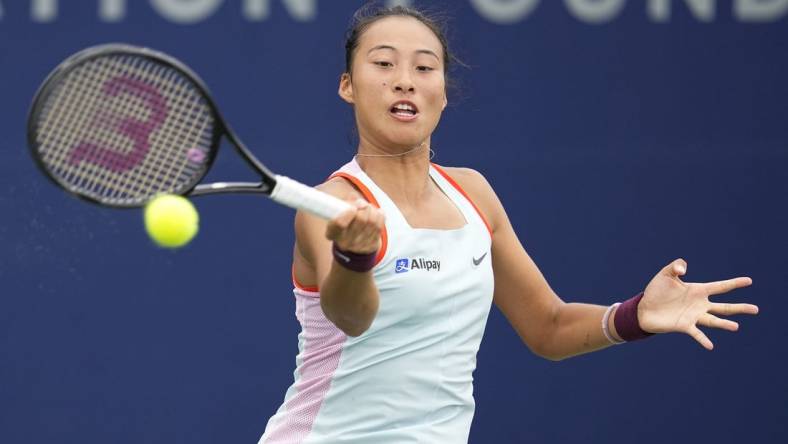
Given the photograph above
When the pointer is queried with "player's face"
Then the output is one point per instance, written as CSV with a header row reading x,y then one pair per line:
x,y
397,84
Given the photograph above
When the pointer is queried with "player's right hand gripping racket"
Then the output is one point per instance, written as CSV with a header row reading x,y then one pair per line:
x,y
118,124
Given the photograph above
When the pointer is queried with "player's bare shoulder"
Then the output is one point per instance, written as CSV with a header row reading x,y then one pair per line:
x,y
472,182
478,190
340,187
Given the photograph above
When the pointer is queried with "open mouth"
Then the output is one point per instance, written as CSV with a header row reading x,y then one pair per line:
x,y
404,110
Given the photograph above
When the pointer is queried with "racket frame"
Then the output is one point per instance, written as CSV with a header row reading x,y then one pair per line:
x,y
221,128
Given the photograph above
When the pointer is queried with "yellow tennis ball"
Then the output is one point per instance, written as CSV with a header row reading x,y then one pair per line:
x,y
171,221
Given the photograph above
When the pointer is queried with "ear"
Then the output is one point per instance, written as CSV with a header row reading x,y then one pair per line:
x,y
346,88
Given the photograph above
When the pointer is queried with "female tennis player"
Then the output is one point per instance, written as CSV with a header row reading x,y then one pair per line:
x,y
393,295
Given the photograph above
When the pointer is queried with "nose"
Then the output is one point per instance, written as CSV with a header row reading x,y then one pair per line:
x,y
404,81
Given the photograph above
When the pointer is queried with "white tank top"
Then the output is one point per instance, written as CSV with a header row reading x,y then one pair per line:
x,y
409,377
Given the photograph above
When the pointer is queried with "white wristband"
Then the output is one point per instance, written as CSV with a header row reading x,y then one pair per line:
x,y
605,320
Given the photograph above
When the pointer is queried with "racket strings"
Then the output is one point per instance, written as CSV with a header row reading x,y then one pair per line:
x,y
199,121
71,113
86,175
122,128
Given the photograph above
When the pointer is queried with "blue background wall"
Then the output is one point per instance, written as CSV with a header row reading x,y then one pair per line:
x,y
616,144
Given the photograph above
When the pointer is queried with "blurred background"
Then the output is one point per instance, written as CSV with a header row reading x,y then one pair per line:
x,y
619,135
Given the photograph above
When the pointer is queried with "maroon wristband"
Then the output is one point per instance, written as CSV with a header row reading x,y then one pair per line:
x,y
626,320
360,263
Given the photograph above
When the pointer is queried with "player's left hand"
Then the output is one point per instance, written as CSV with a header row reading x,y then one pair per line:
x,y
671,305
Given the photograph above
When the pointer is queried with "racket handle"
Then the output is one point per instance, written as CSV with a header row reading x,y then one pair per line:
x,y
296,195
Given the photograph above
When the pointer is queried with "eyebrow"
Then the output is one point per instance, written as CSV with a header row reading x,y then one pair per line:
x,y
419,51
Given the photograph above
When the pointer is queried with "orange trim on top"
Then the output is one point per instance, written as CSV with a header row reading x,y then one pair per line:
x,y
384,241
459,188
296,284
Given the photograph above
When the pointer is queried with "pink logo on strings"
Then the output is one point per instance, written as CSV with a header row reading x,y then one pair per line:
x,y
137,130
195,155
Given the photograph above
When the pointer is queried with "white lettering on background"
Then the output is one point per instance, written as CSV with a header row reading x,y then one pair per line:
x,y
703,10
501,12
43,11
759,10
112,10
595,11
186,12
301,10
504,12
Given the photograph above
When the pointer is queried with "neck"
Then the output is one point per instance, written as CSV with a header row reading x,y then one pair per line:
x,y
402,174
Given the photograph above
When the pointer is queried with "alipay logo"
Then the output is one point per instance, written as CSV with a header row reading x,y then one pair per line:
x,y
416,263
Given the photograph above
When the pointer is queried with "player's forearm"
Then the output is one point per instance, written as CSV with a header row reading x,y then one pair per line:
x,y
349,299
577,329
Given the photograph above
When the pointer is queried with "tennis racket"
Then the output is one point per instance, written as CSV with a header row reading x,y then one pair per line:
x,y
118,124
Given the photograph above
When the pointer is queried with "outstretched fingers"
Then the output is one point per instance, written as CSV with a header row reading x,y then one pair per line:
x,y
700,337
709,320
726,309
720,287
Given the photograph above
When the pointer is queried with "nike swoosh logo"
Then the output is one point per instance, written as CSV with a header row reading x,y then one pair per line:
x,y
476,262
342,256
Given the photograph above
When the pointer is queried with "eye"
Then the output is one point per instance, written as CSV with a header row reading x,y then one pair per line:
x,y
384,64
424,68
